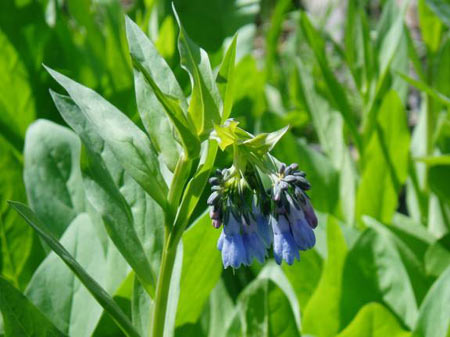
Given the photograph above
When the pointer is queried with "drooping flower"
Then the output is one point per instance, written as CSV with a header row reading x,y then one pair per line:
x,y
246,234
254,218
293,216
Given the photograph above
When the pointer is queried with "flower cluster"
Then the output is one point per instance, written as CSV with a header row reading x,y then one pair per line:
x,y
254,218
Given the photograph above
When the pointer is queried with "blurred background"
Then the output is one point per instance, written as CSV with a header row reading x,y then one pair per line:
x,y
365,87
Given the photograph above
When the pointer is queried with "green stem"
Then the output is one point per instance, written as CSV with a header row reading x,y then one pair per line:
x,y
162,287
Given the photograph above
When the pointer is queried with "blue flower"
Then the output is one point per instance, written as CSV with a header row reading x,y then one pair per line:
x,y
284,245
303,234
231,244
263,227
253,243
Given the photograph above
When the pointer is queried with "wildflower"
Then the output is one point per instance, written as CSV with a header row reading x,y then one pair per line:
x,y
293,218
245,235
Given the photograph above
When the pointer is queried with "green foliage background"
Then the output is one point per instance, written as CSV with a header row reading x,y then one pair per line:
x,y
367,96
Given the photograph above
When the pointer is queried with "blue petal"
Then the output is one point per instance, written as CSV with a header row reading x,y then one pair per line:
x,y
220,241
233,251
284,246
233,226
255,247
303,234
264,230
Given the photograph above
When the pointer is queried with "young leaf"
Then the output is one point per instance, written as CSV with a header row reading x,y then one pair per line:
x,y
94,288
335,89
386,165
225,79
375,272
116,214
201,269
434,314
205,104
129,144
21,317
159,97
56,291
56,193
266,311
374,320
264,142
321,315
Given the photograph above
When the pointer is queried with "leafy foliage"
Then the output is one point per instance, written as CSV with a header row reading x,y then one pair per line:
x,y
117,206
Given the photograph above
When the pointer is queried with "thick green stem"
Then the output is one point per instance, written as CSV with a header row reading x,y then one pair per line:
x,y
162,287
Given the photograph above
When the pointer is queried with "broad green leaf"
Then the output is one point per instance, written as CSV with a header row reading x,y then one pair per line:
x,y
201,269
141,308
17,94
221,310
225,79
103,298
374,271
147,215
374,320
439,180
321,315
437,256
205,104
305,276
21,317
334,88
441,9
266,311
385,163
116,214
430,26
16,237
209,29
130,145
160,98
57,292
434,314
413,234
52,174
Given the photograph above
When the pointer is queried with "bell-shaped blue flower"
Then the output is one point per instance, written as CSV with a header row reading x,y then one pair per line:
x,y
284,245
303,234
231,244
263,226
253,243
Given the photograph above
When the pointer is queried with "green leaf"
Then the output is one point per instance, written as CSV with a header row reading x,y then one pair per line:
x,y
374,320
141,308
201,269
375,270
427,89
430,26
434,314
437,256
305,276
334,88
21,317
266,311
16,237
117,217
195,187
147,215
103,298
205,104
225,79
386,162
56,291
17,94
321,315
441,9
439,180
130,145
52,174
264,142
160,98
